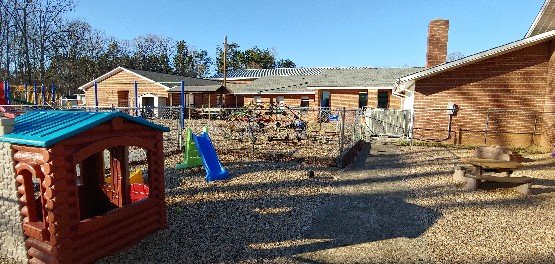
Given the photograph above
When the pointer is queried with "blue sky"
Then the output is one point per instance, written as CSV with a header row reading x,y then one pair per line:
x,y
319,33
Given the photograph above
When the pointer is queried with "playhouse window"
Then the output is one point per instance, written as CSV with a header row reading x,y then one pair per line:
x,y
35,200
106,181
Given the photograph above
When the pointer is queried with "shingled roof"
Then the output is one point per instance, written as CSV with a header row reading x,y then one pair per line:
x,y
169,78
277,84
166,81
361,78
258,73
329,78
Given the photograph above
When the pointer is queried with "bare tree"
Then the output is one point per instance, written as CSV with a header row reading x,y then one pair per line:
x,y
453,56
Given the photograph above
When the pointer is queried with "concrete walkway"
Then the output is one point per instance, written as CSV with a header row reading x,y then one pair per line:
x,y
368,219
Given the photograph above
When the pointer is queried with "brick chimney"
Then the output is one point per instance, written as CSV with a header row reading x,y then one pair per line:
x,y
436,53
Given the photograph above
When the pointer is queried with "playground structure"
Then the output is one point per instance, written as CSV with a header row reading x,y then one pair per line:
x,y
75,216
26,94
191,156
278,122
14,97
212,165
199,150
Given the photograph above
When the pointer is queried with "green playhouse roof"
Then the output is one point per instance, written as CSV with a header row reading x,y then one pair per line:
x,y
46,128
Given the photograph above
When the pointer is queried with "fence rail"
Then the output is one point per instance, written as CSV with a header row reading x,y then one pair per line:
x,y
513,128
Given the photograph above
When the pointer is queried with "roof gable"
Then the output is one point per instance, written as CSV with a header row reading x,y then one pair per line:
x,y
173,79
545,20
46,128
161,79
408,81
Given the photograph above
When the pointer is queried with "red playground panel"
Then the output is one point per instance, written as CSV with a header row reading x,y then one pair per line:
x,y
138,191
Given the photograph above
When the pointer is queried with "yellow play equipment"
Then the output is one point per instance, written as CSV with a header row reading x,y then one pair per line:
x,y
135,177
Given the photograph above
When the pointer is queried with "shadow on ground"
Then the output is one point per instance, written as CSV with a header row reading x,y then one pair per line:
x,y
350,220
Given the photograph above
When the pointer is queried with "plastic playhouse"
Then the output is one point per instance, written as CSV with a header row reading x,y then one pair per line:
x,y
68,212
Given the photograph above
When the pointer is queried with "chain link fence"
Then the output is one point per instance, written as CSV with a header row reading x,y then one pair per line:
x,y
314,135
513,128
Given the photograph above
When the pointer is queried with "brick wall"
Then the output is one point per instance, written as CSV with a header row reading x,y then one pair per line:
x,y
438,31
122,81
513,81
348,98
345,98
11,236
232,100
549,120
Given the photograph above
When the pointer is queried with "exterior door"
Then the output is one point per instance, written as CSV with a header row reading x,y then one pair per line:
x,y
123,98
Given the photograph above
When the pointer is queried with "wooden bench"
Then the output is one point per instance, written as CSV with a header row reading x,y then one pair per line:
x,y
519,184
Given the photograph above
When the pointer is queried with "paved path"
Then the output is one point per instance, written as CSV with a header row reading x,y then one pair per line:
x,y
368,219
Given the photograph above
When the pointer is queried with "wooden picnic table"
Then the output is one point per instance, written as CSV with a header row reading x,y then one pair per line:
x,y
480,165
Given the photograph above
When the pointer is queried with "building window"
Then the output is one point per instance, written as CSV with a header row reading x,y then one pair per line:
x,y
362,99
258,99
305,101
383,99
280,100
325,99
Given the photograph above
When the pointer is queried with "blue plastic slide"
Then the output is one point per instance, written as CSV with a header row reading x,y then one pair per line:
x,y
214,169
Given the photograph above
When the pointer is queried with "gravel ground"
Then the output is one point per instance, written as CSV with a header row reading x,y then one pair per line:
x,y
393,205
416,213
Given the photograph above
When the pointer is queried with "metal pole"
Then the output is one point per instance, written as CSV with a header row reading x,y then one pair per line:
x,y
5,86
53,95
487,124
43,89
7,92
136,89
411,126
209,111
225,61
535,128
35,93
182,104
96,95
342,138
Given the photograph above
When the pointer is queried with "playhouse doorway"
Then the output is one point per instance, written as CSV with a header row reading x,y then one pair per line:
x,y
108,180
